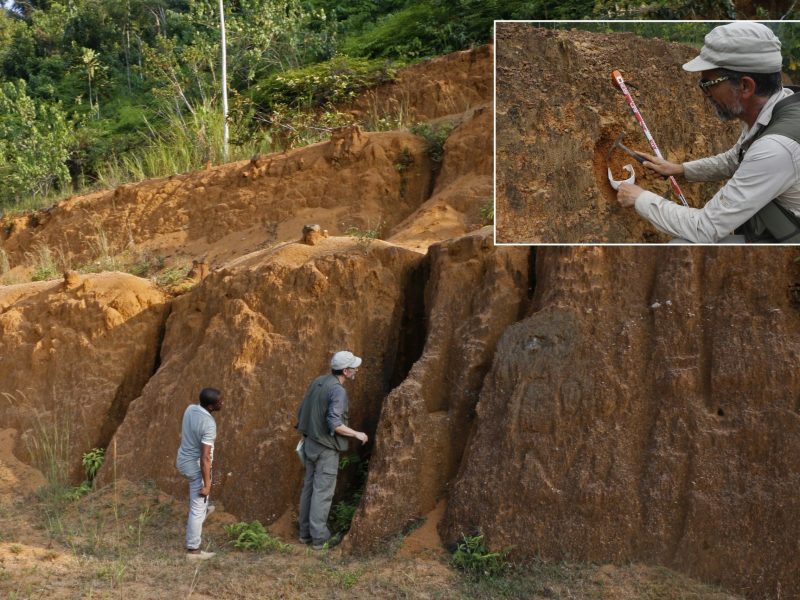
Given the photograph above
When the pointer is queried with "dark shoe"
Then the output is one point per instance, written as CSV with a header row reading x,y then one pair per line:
x,y
304,540
332,541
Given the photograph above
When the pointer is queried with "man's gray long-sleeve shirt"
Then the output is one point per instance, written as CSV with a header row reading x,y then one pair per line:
x,y
770,170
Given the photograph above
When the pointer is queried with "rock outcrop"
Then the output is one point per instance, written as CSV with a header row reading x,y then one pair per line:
x,y
648,410
261,329
474,291
352,181
463,187
73,354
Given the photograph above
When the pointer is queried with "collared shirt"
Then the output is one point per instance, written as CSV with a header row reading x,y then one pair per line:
x,y
769,170
198,428
337,408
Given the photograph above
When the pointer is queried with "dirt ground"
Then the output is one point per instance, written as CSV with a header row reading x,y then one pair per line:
x,y
124,541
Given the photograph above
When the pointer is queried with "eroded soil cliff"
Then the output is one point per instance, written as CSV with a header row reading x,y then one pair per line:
x,y
602,404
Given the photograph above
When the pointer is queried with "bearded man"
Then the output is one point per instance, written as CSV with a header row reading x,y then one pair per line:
x,y
740,69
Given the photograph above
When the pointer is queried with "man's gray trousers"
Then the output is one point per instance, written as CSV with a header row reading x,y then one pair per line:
x,y
322,465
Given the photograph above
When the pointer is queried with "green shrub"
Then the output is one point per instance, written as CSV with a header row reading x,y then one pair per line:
x,y
343,512
35,141
474,558
254,538
365,237
92,461
435,136
337,80
487,211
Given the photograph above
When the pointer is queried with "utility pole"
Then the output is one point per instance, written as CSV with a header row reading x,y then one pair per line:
x,y
224,85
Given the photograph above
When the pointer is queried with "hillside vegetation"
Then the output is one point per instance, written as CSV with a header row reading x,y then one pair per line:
x,y
97,93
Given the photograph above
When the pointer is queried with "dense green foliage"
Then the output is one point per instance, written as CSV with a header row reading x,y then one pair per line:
x,y
98,92
35,137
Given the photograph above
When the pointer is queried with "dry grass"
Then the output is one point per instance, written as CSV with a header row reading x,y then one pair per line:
x,y
125,541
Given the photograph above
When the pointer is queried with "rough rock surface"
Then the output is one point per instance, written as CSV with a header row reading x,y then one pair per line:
x,y
439,87
72,358
463,187
228,211
648,410
261,329
475,290
558,115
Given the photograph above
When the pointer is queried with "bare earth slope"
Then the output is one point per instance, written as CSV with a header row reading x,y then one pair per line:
x,y
558,114
261,330
74,354
646,410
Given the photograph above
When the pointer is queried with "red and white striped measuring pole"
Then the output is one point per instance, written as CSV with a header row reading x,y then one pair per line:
x,y
619,82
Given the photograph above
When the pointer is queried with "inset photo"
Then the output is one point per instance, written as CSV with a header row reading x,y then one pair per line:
x,y
647,132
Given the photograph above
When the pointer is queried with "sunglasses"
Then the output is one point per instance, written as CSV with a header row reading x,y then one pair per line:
x,y
707,83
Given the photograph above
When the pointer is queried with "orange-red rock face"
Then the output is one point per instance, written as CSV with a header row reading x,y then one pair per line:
x,y
72,356
474,291
646,409
261,330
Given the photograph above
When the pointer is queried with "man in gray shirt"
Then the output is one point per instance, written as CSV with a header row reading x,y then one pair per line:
x,y
740,66
322,419
195,455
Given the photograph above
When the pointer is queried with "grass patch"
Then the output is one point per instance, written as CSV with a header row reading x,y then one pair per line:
x,y
435,136
365,237
252,537
46,263
487,212
473,557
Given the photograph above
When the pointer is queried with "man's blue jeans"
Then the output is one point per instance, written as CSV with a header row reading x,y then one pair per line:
x,y
198,509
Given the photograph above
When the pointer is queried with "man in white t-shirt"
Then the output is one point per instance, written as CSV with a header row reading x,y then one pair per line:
x,y
198,432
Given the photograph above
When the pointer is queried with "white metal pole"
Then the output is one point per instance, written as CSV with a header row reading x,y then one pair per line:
x,y
224,84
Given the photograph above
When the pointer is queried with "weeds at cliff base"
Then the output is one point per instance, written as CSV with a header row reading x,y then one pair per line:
x,y
252,537
474,558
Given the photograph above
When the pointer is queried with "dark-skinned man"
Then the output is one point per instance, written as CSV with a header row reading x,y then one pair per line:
x,y
740,70
195,455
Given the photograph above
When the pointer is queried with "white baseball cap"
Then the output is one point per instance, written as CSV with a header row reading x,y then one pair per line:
x,y
744,46
345,360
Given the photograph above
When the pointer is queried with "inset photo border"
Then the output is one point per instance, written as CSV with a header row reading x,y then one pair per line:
x,y
567,132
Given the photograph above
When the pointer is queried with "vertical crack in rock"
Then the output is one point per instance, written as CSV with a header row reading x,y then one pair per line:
x,y
131,386
473,291
413,328
531,273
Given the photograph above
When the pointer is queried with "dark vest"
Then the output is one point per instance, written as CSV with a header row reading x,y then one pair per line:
x,y
312,416
773,223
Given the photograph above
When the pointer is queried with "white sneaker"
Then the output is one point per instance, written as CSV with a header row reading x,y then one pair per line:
x,y
202,555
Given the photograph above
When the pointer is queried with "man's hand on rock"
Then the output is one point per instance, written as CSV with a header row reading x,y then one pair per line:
x,y
661,166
